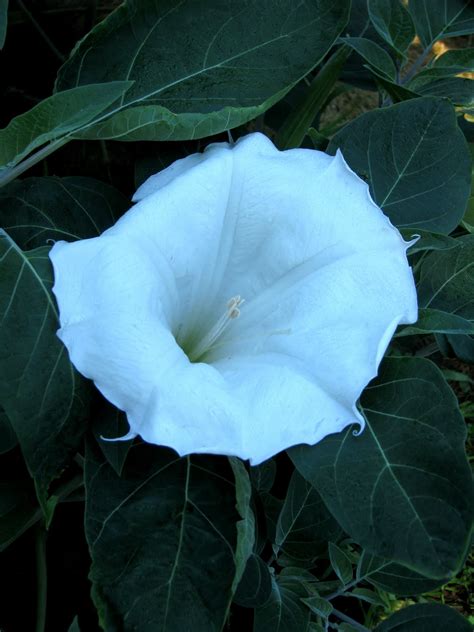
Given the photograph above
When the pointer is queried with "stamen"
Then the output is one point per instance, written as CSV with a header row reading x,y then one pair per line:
x,y
207,341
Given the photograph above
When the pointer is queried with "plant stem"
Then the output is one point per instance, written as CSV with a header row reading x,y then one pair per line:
x,y
416,66
41,578
10,174
342,591
44,35
344,617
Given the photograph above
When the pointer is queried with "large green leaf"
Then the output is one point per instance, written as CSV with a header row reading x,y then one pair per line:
x,y
425,617
435,19
200,67
416,160
284,610
43,397
255,585
56,117
394,578
304,525
402,489
447,280
162,537
392,22
36,210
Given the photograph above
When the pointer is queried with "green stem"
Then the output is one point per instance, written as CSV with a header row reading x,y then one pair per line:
x,y
10,174
41,578
347,587
343,617
416,66
295,127
44,35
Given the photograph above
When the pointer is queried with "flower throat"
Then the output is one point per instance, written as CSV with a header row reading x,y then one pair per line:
x,y
205,344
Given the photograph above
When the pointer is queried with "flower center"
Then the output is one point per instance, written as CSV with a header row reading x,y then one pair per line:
x,y
232,312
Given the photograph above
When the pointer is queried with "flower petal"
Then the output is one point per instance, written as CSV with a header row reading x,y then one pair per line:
x,y
323,273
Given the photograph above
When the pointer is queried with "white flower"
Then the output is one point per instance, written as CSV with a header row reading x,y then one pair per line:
x,y
241,306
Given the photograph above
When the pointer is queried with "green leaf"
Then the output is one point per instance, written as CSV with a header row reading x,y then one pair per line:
x,y
365,594
394,578
256,584
304,525
441,78
3,21
245,526
341,563
263,475
8,438
447,280
392,22
284,610
272,508
457,89
468,219
373,54
457,60
56,117
109,422
435,19
296,126
463,347
74,627
394,90
36,210
427,241
45,400
435,320
402,489
416,161
320,607
162,538
200,68
425,617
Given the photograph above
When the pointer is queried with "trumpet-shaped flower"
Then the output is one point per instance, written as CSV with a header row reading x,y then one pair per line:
x,y
243,303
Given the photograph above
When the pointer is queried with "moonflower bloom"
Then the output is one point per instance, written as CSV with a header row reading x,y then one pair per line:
x,y
242,305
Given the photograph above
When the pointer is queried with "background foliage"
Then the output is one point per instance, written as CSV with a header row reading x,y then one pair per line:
x,y
368,532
